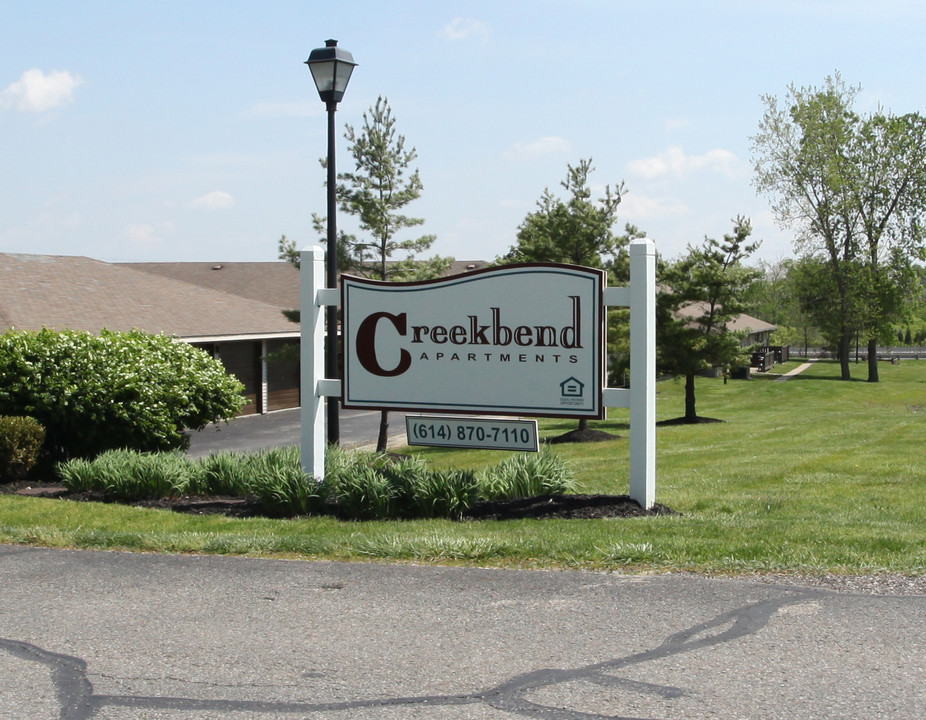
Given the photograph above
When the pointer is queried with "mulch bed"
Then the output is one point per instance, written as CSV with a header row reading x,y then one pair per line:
x,y
584,507
582,436
686,421
191,504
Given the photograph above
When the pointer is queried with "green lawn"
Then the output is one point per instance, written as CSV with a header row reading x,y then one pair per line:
x,y
809,475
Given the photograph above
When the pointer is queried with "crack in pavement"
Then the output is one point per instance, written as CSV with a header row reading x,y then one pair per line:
x,y
78,701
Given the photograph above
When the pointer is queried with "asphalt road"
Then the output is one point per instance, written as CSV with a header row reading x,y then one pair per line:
x,y
119,636
251,433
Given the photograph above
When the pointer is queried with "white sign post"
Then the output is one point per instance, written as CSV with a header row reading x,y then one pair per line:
x,y
312,361
514,340
643,372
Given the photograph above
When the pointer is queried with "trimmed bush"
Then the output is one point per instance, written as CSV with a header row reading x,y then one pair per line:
x,y
113,390
21,440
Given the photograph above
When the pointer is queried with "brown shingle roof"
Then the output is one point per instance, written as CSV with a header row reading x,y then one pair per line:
x,y
458,267
79,293
748,323
274,283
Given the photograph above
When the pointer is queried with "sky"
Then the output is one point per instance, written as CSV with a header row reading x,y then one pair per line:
x,y
191,130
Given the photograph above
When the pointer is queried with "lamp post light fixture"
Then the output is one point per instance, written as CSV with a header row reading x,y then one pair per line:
x,y
331,68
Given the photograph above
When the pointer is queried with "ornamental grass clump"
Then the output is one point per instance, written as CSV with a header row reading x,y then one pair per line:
x,y
527,475
376,486
224,473
441,493
279,480
130,475
357,486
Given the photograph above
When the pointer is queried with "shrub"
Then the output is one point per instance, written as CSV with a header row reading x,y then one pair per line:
x,y
115,390
21,440
527,475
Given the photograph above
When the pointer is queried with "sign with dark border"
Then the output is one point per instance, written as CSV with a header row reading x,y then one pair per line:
x,y
520,340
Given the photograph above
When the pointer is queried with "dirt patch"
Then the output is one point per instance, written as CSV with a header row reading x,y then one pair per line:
x,y
585,507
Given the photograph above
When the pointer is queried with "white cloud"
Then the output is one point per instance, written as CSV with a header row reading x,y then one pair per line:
x,y
464,28
673,161
216,200
37,91
544,146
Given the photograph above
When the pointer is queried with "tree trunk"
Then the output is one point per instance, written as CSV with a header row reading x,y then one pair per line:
x,y
383,431
845,345
690,412
583,424
872,361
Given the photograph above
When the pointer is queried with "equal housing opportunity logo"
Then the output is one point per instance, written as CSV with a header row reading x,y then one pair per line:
x,y
516,340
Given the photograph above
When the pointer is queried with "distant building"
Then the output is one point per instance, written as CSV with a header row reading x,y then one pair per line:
x,y
758,332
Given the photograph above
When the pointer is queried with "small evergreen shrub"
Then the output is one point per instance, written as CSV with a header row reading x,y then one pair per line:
x,y
21,440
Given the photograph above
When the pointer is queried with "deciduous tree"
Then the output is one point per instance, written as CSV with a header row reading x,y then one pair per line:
x,y
854,189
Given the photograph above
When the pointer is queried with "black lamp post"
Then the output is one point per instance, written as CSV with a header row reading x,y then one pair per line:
x,y
331,67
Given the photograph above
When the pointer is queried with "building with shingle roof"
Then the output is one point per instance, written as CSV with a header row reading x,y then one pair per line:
x,y
757,331
79,293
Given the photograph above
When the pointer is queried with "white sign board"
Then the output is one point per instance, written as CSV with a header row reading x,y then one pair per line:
x,y
472,432
513,340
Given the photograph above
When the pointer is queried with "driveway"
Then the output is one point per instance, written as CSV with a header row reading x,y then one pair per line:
x,y
251,433
121,636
